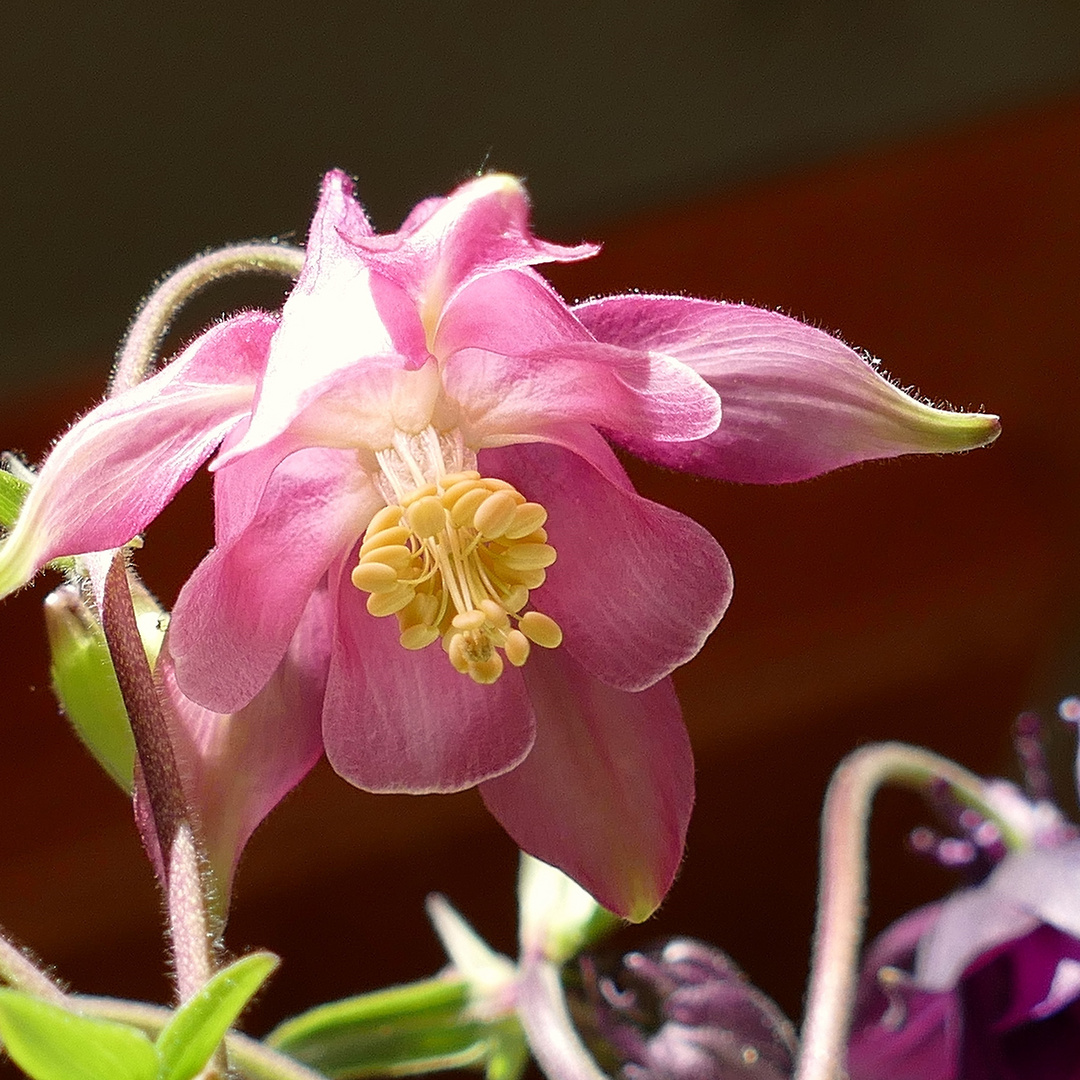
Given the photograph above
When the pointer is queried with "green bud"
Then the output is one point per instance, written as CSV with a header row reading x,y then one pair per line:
x,y
84,680
557,917
13,491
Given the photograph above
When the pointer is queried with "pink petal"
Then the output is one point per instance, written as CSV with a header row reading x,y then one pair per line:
x,y
113,472
235,616
797,401
503,399
636,588
606,791
403,721
362,406
481,227
510,312
236,769
514,358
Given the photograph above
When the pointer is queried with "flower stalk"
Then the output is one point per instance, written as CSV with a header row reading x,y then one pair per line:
x,y
18,971
842,889
169,834
135,359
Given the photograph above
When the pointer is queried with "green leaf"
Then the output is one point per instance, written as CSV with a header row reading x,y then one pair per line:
x,y
12,493
189,1039
401,1031
50,1043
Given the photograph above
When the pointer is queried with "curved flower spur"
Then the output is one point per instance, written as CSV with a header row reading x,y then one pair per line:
x,y
421,440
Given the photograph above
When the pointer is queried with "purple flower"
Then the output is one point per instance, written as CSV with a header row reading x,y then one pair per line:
x,y
423,436
985,985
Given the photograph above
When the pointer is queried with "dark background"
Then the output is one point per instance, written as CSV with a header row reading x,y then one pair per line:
x,y
905,174
134,134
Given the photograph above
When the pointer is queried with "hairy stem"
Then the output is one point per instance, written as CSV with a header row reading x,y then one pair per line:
x,y
842,888
21,973
179,859
135,360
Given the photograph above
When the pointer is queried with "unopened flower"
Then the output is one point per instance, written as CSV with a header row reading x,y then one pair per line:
x,y
423,436
684,1011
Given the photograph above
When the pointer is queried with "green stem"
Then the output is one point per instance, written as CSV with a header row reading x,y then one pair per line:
x,y
842,889
140,347
254,1060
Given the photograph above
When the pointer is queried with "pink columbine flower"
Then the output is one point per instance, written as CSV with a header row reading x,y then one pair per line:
x,y
425,433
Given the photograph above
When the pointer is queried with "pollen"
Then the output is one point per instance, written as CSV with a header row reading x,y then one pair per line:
x,y
455,561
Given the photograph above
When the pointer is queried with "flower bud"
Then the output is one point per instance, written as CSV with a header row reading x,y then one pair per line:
x,y
686,1012
558,917
84,680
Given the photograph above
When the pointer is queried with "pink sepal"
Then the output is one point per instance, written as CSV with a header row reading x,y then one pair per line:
x,y
112,473
797,402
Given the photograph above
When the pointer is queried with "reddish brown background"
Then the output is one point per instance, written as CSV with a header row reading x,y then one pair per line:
x,y
927,599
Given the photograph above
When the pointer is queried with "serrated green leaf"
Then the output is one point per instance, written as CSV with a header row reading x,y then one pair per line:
x,y
50,1043
12,493
190,1038
401,1031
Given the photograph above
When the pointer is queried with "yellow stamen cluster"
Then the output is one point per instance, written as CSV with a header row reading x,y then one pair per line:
x,y
455,560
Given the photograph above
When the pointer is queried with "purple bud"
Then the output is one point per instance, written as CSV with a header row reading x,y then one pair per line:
x,y
684,1011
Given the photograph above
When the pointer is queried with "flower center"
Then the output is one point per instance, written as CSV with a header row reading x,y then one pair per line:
x,y
455,559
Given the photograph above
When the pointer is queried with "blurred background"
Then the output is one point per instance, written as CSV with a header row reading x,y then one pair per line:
x,y
906,175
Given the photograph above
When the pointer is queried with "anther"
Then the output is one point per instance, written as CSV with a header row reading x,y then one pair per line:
x,y
426,517
516,648
455,560
396,534
528,517
374,577
418,636
468,620
391,601
396,555
529,556
538,627
495,514
487,671
466,506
